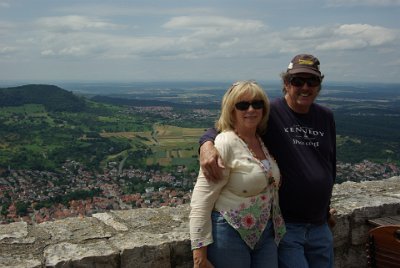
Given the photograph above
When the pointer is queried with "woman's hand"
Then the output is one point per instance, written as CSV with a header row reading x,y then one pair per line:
x,y
200,258
211,162
203,264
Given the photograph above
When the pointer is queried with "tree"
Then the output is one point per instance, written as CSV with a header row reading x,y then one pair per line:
x,y
22,208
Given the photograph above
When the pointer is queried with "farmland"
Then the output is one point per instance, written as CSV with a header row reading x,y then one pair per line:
x,y
170,145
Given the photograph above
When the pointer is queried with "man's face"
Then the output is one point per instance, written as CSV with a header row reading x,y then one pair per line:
x,y
301,91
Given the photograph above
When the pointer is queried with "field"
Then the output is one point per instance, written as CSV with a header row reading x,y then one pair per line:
x,y
170,145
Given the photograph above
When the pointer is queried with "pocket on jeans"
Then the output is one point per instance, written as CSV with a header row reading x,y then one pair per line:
x,y
217,218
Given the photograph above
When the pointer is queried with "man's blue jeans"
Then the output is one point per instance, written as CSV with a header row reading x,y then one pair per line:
x,y
230,251
306,246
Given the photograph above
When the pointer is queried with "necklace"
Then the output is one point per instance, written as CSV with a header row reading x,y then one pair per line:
x,y
265,164
247,144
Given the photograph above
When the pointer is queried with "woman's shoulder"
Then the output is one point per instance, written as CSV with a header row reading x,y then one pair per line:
x,y
226,137
228,134
226,143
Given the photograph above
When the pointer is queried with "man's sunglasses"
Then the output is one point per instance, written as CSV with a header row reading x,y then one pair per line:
x,y
244,105
300,81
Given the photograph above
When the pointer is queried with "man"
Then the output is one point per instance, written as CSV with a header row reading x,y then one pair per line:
x,y
301,136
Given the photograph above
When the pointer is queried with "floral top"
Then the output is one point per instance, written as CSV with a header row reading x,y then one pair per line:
x,y
246,196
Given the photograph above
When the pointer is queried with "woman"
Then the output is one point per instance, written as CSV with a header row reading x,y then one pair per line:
x,y
236,222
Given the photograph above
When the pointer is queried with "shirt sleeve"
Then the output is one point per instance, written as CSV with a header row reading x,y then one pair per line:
x,y
209,135
205,194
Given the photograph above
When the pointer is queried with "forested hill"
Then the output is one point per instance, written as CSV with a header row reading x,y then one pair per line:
x,y
51,97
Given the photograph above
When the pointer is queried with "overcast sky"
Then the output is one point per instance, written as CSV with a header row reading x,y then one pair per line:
x,y
201,40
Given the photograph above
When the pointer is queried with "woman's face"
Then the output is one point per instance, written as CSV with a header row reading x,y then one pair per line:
x,y
248,117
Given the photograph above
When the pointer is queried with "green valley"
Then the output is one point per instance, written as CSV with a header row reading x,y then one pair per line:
x,y
64,153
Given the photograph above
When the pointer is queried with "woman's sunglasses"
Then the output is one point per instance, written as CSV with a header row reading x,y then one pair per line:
x,y
300,81
244,105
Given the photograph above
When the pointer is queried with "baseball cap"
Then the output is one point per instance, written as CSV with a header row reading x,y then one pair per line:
x,y
304,63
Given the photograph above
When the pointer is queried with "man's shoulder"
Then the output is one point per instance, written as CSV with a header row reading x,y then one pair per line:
x,y
276,103
322,109
278,107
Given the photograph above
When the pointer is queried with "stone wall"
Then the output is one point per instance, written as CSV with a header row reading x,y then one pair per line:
x,y
159,237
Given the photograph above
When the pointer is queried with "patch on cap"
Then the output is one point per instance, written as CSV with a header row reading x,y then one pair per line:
x,y
304,63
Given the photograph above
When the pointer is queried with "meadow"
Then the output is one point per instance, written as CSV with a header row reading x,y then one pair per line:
x,y
169,145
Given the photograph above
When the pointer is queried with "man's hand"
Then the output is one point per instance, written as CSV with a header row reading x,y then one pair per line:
x,y
211,162
331,219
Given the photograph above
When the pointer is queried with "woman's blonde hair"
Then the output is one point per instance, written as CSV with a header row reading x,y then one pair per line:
x,y
233,96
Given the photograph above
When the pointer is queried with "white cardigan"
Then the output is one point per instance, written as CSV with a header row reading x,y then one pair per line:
x,y
244,180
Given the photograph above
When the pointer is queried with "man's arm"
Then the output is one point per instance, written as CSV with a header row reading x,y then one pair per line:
x,y
210,160
332,211
209,135
331,218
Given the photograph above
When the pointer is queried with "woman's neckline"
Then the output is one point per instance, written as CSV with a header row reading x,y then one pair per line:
x,y
253,154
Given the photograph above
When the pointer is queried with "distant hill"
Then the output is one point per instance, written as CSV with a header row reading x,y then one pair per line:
x,y
51,97
147,103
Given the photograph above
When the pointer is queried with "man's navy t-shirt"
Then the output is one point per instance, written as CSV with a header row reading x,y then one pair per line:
x,y
304,145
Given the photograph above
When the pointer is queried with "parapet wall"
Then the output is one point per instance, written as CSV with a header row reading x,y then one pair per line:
x,y
159,237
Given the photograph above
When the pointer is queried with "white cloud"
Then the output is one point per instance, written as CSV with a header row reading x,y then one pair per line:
x,y
363,2
307,32
48,52
4,50
342,44
74,23
132,9
338,37
373,35
87,45
4,4
218,37
393,62
214,22
6,27
357,36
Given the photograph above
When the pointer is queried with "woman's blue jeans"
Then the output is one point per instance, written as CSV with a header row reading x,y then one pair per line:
x,y
230,251
306,246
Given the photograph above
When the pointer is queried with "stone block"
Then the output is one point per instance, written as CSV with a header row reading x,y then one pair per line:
x,y
75,229
13,230
341,231
154,256
181,254
27,261
67,255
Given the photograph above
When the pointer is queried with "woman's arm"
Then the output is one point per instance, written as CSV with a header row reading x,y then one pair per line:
x,y
204,196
